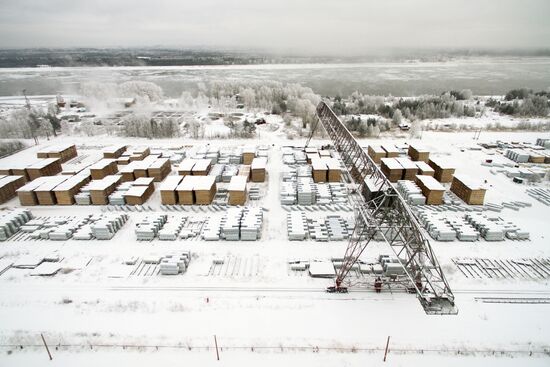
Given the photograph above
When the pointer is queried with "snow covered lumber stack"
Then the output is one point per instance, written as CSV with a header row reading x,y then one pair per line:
x,y
470,191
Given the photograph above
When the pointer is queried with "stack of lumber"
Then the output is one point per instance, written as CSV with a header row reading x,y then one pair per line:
x,y
334,170
319,170
470,191
536,157
168,194
249,153
43,167
186,195
65,192
237,190
391,150
140,192
139,153
141,167
201,167
103,167
443,170
101,189
410,169
64,152
26,193
257,168
424,169
14,169
324,153
312,156
127,171
431,189
114,151
159,169
205,190
45,194
391,169
244,170
186,166
9,185
376,153
418,153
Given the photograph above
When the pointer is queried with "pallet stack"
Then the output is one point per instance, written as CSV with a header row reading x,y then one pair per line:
x,y
391,169
64,152
470,191
65,192
376,153
249,153
139,153
44,167
257,168
102,168
114,151
140,191
159,169
424,169
443,170
391,150
536,157
101,189
237,190
418,153
168,193
14,169
431,189
410,169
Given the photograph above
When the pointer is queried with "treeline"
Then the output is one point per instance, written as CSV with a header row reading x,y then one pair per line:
x,y
10,147
522,102
143,126
28,123
450,104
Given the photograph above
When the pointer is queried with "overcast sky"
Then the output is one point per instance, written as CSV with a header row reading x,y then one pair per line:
x,y
340,26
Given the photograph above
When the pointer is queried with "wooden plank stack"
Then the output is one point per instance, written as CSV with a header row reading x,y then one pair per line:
x,y
535,157
45,194
159,169
468,190
65,192
114,151
443,170
205,190
424,169
64,152
249,153
140,192
103,167
101,189
44,167
186,195
186,166
14,169
334,170
237,190
26,194
319,170
391,150
418,153
139,153
391,169
257,168
201,167
244,170
431,189
410,169
168,193
9,186
376,153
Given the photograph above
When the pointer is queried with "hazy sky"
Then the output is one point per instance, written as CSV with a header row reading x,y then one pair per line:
x,y
342,26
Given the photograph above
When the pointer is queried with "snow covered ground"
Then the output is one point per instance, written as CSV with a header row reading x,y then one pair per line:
x,y
261,312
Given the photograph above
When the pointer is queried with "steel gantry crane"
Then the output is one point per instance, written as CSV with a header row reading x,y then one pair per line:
x,y
382,214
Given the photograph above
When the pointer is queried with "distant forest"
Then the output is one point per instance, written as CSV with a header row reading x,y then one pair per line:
x,y
73,57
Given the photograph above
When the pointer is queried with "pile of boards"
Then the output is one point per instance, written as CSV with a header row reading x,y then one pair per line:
x,y
133,193
257,168
31,171
52,190
377,152
9,186
190,190
194,167
325,169
97,191
470,191
103,167
114,151
147,228
151,166
106,227
175,264
12,220
64,152
237,190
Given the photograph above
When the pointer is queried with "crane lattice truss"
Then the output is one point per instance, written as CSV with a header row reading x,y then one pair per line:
x,y
382,213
